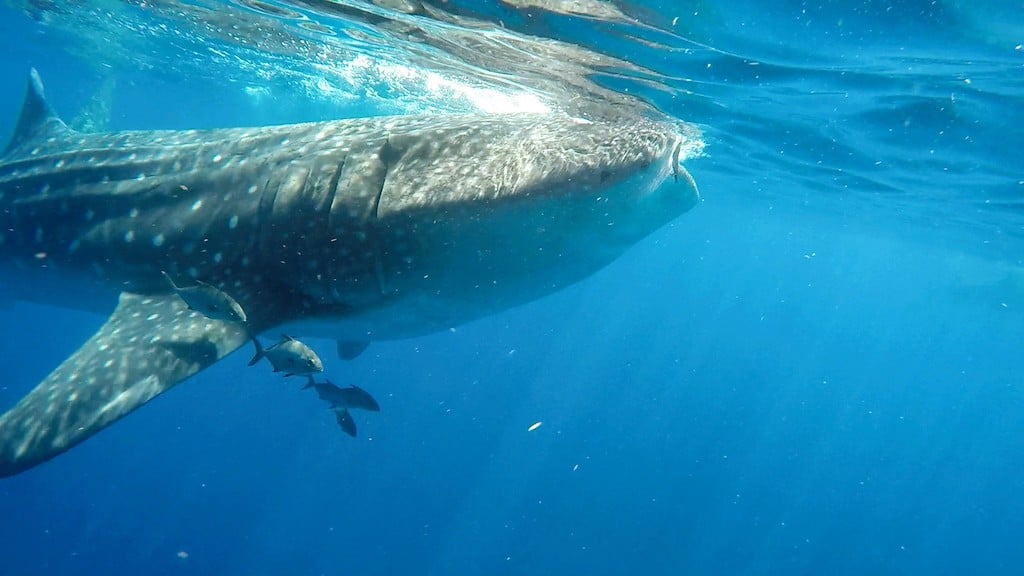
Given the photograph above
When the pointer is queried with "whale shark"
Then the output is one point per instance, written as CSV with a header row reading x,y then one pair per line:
x,y
356,230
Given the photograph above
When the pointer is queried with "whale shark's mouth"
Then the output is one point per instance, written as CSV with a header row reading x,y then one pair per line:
x,y
679,170
675,160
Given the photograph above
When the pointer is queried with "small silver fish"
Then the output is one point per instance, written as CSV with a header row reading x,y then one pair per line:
x,y
289,356
209,301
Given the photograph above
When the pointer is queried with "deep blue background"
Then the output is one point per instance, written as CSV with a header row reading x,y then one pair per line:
x,y
783,381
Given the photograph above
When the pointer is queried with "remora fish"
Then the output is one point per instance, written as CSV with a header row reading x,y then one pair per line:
x,y
358,230
290,356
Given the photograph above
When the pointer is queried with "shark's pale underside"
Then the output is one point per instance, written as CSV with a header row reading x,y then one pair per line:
x,y
357,230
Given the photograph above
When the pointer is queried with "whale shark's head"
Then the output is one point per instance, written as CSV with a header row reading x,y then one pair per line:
x,y
485,218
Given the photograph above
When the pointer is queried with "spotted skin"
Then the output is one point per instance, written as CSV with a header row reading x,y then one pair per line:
x,y
149,344
356,230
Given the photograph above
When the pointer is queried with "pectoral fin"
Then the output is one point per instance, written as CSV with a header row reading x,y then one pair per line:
x,y
149,344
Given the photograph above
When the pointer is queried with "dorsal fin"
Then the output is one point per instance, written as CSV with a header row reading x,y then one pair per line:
x,y
37,120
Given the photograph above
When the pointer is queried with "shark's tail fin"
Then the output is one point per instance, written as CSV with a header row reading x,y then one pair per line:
x,y
260,352
38,120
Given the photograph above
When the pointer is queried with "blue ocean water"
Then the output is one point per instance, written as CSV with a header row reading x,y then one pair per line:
x,y
817,370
